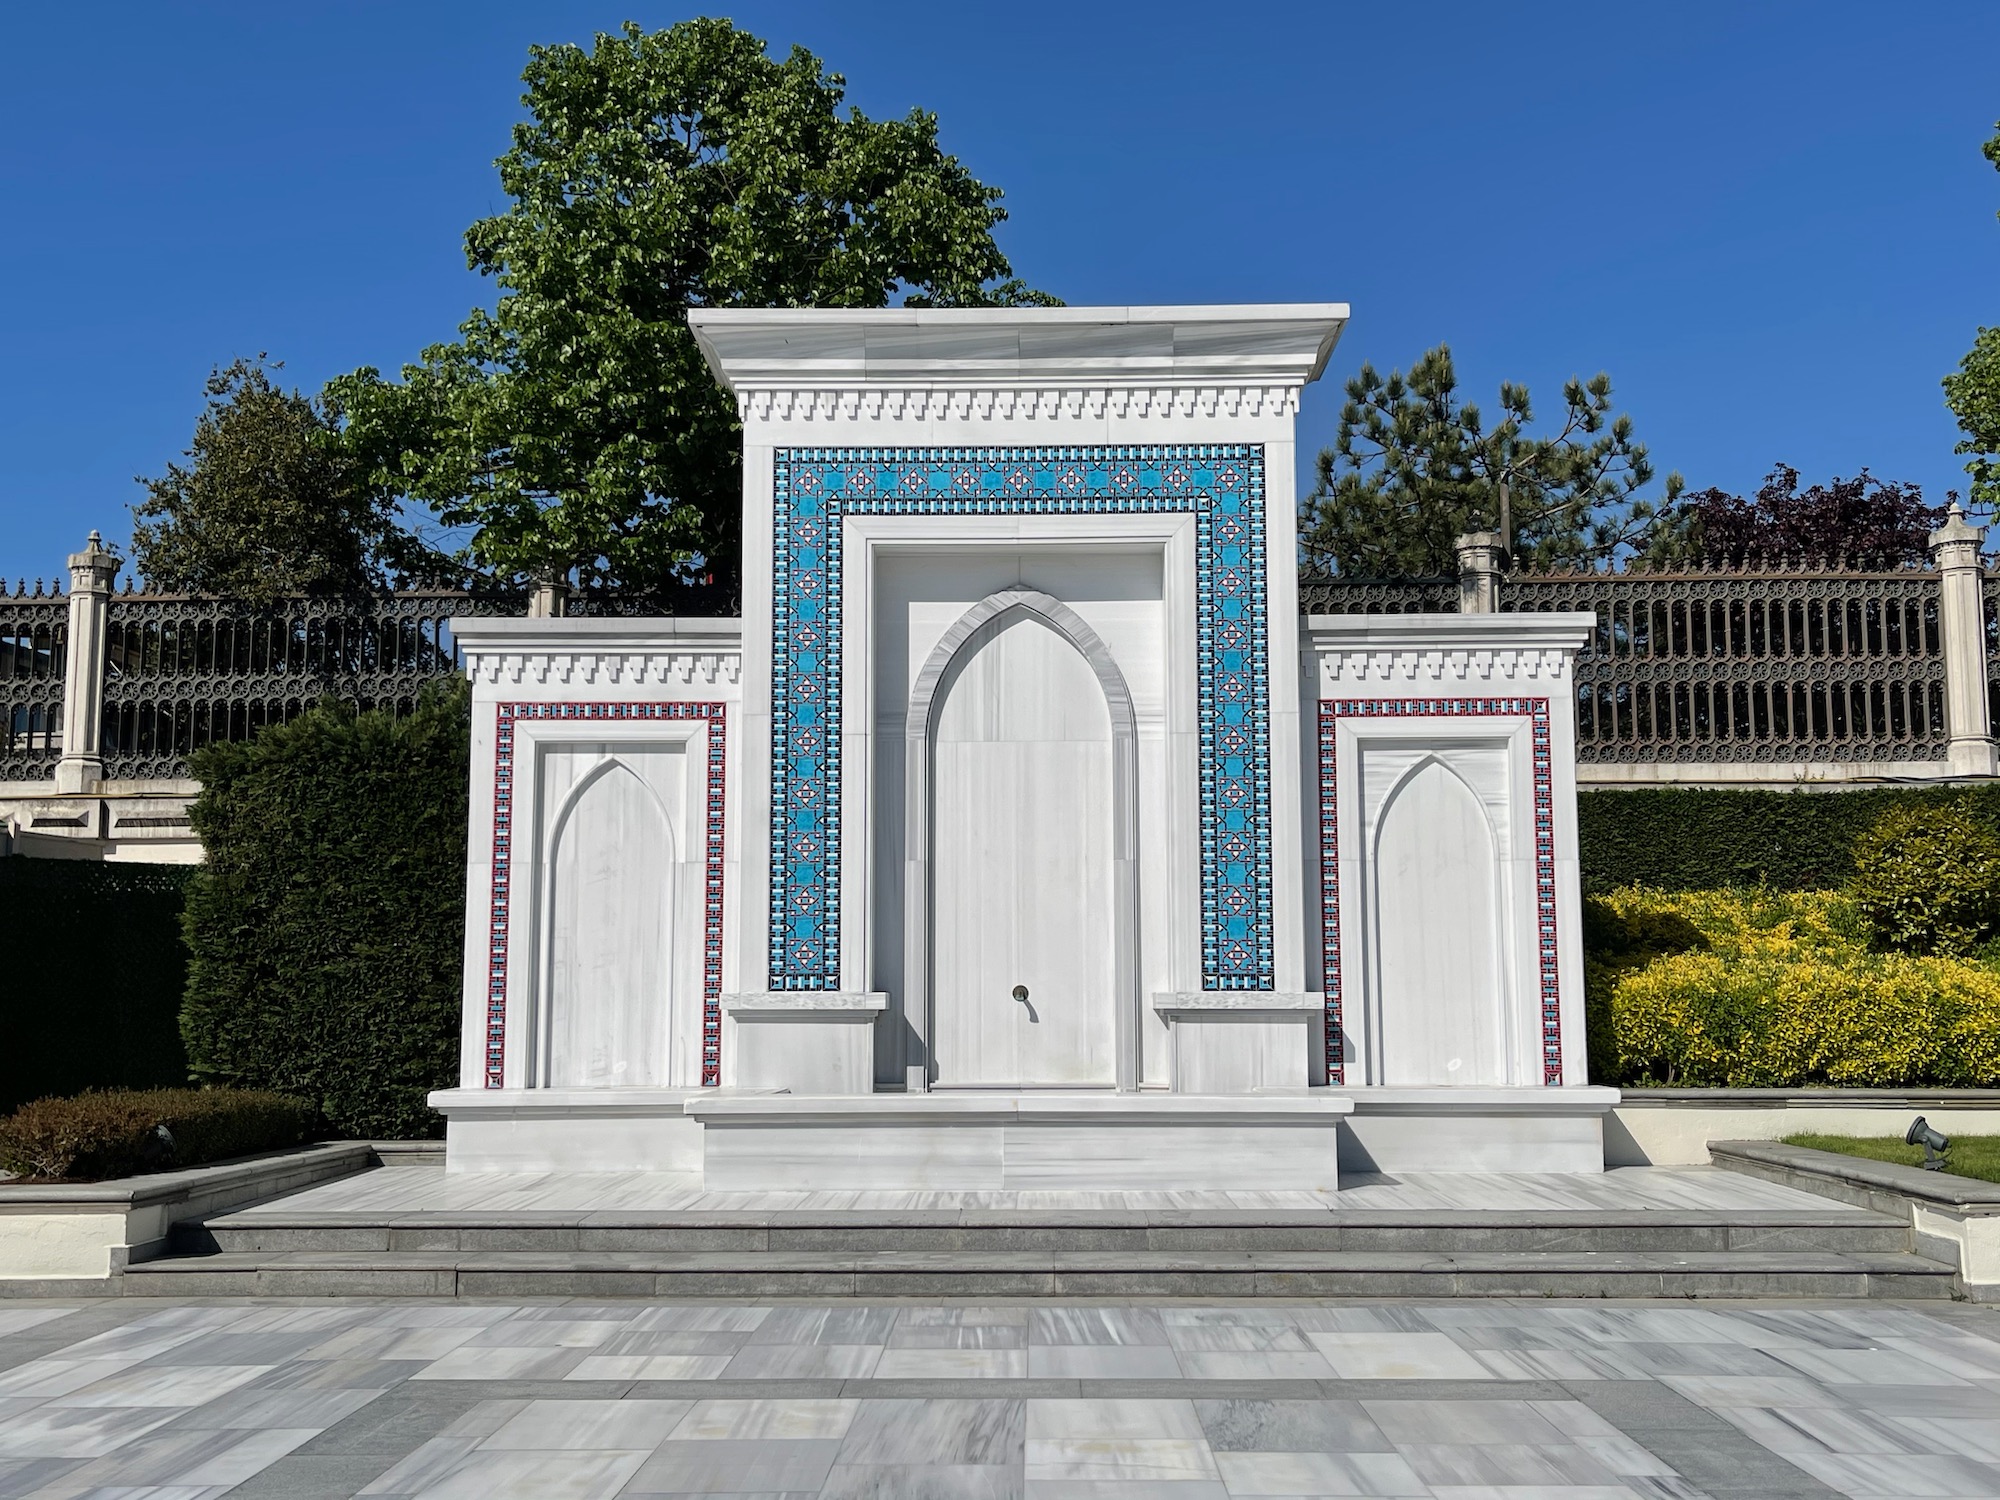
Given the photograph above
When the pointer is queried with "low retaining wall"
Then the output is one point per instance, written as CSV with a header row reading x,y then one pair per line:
x,y
1672,1127
67,1237
1956,1219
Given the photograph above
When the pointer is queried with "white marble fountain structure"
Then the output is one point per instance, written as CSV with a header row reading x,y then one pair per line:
x,y
1021,834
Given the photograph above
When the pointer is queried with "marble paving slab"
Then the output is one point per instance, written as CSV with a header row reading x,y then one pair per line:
x,y
1112,1400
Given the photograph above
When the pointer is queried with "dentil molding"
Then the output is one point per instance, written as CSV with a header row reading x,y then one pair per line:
x,y
1011,403
628,668
1443,666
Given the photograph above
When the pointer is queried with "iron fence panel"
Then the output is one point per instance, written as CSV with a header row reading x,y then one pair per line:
x,y
1330,594
34,654
181,673
1752,666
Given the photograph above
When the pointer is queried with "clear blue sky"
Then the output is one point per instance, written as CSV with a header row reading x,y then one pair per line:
x,y
1770,222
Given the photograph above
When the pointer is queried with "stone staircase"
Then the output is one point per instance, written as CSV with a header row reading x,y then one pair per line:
x,y
1838,1252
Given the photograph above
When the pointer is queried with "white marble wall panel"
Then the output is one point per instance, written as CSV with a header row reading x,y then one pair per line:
x,y
569,1130
591,662
1439,912
1023,949
882,1155
807,1042
1021,1142
1242,1055
1005,378
1462,1129
1167,1155
918,586
607,878
1437,833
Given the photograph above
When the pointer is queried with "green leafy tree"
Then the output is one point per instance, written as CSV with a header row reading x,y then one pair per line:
x,y
1414,467
1973,394
575,426
269,502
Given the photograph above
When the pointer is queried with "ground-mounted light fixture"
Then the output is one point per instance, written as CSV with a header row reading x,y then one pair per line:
x,y
1935,1145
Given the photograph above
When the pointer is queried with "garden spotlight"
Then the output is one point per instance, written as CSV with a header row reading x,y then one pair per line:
x,y
1935,1145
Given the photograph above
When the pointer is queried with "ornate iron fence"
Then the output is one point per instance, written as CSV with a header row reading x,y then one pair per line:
x,y
1330,594
1758,667
1779,666
695,601
34,650
182,673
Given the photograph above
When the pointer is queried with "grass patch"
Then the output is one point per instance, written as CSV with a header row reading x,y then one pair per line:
x,y
1970,1155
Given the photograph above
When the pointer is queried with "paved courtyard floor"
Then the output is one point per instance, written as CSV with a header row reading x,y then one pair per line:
x,y
1462,1400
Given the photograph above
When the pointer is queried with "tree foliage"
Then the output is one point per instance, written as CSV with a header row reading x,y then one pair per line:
x,y
1863,521
1414,467
576,425
327,927
1973,394
269,502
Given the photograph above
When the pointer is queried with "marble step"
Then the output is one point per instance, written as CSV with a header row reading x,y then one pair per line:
x,y
273,1229
1084,1273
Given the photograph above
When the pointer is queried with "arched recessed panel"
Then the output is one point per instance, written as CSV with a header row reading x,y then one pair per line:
x,y
1435,921
1025,966
610,936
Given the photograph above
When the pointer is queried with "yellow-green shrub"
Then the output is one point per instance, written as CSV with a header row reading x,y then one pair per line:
x,y
1927,879
1773,989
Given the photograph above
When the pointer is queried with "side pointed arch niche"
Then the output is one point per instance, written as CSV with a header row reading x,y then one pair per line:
x,y
928,697
607,938
1440,1006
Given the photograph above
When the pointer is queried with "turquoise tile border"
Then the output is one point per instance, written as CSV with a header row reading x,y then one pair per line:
x,y
1221,485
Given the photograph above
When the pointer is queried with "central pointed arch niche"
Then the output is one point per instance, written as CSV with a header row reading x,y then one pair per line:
x,y
1018,669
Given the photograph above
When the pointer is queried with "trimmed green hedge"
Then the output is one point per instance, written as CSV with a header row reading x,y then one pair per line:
x,y
1676,839
117,1133
327,927
91,975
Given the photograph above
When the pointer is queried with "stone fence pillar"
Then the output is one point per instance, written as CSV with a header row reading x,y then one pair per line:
x,y
548,599
1479,554
1962,633
91,573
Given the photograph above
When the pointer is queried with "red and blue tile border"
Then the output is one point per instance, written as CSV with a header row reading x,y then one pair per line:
x,y
508,714
1536,710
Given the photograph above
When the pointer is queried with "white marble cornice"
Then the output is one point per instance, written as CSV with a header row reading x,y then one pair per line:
x,y
949,361
1415,649
987,403
1443,666
632,653
609,668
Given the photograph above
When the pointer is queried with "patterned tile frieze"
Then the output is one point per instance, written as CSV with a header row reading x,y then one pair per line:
x,y
1221,485
1536,710
500,898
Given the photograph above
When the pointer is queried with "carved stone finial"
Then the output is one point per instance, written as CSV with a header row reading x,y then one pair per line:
x,y
94,569
1957,542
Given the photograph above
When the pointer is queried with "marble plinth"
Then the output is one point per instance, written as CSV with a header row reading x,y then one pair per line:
x,y
1103,1142
569,1130
1475,1129
806,1042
